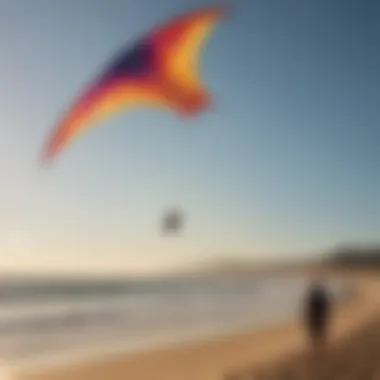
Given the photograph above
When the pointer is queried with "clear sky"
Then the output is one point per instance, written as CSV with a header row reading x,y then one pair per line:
x,y
287,162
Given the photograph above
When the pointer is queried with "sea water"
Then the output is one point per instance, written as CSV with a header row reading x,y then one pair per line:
x,y
46,321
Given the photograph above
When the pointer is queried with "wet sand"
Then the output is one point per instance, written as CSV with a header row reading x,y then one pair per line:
x,y
354,358
229,357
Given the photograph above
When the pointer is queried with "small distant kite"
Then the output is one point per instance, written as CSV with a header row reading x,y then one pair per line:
x,y
172,221
159,70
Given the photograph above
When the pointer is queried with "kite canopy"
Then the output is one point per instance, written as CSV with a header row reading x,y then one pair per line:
x,y
161,69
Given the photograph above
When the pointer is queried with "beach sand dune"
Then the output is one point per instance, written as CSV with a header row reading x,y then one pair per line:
x,y
239,356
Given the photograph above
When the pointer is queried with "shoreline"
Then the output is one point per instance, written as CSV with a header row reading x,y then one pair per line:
x,y
121,341
86,356
242,318
212,357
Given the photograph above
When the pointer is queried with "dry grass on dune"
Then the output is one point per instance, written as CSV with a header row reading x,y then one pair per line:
x,y
355,358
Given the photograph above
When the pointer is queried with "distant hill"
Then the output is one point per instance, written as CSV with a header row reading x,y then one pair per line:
x,y
240,267
356,256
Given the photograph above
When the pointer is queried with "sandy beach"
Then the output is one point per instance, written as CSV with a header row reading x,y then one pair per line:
x,y
216,358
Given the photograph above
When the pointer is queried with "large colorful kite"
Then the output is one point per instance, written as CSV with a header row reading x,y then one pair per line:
x,y
159,70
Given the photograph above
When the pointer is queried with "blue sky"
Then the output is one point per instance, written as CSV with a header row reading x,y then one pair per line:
x,y
286,164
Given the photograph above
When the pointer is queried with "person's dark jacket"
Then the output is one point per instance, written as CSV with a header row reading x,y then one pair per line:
x,y
317,310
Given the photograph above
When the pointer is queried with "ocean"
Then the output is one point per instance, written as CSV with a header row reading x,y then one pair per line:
x,y
43,322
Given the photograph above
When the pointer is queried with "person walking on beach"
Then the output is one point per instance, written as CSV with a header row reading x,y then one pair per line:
x,y
318,308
